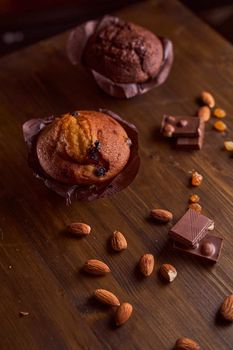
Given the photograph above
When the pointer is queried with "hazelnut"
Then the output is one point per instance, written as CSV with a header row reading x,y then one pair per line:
x,y
207,248
168,130
170,119
183,123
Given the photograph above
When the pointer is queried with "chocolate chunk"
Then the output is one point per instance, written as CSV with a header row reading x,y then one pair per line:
x,y
194,143
101,171
183,126
191,228
74,114
97,145
93,152
208,248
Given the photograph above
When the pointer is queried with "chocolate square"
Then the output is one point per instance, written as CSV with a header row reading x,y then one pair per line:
x,y
191,228
183,126
209,248
194,143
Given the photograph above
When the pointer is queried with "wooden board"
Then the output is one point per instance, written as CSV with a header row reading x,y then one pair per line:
x,y
40,265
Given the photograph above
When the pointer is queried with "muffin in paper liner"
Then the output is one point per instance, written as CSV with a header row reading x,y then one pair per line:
x,y
76,44
31,131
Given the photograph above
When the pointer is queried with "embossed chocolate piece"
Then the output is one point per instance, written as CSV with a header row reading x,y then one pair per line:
x,y
191,228
192,143
183,126
188,132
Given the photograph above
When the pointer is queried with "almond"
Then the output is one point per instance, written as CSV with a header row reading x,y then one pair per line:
x,y
226,309
123,313
196,178
204,113
168,272
146,264
184,343
106,297
79,229
161,215
168,130
208,99
196,206
118,241
96,267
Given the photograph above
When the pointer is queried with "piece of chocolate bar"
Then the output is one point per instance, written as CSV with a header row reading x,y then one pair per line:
x,y
191,228
209,248
192,143
181,126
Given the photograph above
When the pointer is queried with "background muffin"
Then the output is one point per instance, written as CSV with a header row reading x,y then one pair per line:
x,y
124,59
124,52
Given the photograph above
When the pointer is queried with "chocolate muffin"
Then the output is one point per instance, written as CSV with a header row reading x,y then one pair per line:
x,y
124,52
85,147
124,59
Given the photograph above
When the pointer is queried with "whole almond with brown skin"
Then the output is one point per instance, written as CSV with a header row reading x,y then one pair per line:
x,y
204,113
226,309
118,241
161,215
79,229
146,264
106,297
208,99
184,343
96,267
123,313
168,272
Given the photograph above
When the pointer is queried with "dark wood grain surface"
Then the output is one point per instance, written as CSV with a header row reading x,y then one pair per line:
x,y
40,265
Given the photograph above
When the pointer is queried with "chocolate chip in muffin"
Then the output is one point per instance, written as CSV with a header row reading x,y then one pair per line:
x,y
93,152
74,114
97,145
101,171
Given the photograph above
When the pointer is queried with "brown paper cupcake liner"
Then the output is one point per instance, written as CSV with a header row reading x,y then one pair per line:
x,y
77,42
31,131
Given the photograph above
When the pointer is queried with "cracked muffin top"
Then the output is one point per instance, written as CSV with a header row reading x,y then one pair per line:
x,y
84,147
124,52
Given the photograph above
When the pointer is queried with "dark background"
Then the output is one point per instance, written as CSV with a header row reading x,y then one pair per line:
x,y
23,22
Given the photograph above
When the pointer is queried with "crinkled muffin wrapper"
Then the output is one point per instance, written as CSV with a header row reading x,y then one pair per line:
x,y
77,42
31,130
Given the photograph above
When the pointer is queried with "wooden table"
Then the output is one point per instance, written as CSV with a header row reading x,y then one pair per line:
x,y
40,265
